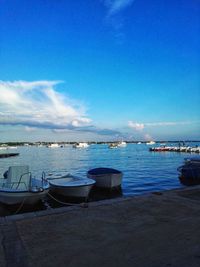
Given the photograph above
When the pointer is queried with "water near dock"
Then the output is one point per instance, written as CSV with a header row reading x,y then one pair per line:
x,y
144,171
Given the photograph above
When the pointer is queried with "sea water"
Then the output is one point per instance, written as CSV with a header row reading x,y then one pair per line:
x,y
143,171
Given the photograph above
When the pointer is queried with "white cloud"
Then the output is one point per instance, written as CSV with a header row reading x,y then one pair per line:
x,y
115,6
155,124
147,137
141,126
38,104
114,17
30,129
135,125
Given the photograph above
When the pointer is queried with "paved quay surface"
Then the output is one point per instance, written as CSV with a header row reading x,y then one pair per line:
x,y
156,230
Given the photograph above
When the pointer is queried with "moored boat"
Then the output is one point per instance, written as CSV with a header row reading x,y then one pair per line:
x,y
121,144
70,186
113,145
3,147
7,155
18,186
53,145
190,171
186,149
106,177
150,143
81,145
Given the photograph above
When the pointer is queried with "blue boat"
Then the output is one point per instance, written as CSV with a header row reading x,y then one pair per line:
x,y
190,171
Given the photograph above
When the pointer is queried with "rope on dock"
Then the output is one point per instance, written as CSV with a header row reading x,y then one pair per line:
x,y
20,207
82,205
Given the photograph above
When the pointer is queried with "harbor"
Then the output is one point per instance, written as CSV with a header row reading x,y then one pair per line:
x,y
183,149
157,229
99,133
68,170
146,208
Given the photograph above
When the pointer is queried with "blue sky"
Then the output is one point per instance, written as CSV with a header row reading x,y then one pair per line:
x,y
99,70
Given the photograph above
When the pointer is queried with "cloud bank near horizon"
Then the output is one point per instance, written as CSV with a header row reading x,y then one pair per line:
x,y
142,127
38,104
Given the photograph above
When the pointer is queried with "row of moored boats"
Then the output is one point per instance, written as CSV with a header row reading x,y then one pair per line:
x,y
85,145
18,186
186,149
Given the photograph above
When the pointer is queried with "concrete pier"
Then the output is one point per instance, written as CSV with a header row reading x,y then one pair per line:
x,y
155,230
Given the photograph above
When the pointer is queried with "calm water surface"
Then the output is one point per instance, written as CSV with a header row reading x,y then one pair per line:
x,y
144,171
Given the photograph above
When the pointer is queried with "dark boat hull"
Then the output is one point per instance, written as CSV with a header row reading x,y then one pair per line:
x,y
190,174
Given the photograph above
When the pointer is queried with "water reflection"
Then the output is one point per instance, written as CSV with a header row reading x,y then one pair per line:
x,y
54,200
143,171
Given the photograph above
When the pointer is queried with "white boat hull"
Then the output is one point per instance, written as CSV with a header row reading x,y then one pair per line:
x,y
26,197
81,145
71,186
76,191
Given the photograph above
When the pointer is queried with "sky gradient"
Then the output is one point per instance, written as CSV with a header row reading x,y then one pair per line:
x,y
99,70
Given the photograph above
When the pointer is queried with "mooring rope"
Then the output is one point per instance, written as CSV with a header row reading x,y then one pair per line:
x,y
83,205
20,207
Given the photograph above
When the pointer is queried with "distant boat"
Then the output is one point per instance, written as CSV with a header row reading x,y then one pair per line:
x,y
70,186
81,145
54,145
18,186
3,147
150,143
7,147
106,177
121,144
113,145
7,155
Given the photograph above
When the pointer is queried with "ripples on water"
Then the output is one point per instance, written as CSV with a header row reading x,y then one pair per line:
x,y
144,171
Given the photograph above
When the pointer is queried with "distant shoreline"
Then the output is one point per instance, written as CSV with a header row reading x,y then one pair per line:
x,y
24,143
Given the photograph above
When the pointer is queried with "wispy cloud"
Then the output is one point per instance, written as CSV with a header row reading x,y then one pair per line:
x,y
38,104
115,6
135,125
155,124
141,126
114,18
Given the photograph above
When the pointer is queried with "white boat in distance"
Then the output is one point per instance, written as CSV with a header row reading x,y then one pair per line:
x,y
54,145
113,145
150,143
106,177
18,186
121,144
70,186
3,147
117,144
81,145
